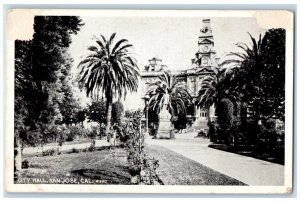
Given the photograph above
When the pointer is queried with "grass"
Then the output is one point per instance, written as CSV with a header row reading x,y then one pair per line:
x,y
175,169
111,167
98,167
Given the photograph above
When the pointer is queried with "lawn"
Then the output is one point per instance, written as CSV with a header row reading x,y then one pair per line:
x,y
98,167
106,166
175,169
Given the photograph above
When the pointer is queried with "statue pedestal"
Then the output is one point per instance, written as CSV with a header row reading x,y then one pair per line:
x,y
165,125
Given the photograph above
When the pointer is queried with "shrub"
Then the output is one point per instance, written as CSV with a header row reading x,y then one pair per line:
x,y
63,133
225,110
93,146
270,124
74,150
51,152
25,164
148,171
270,139
213,129
117,113
141,167
75,131
153,128
96,111
93,132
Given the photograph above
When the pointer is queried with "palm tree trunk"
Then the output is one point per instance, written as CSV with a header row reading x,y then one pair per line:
x,y
108,117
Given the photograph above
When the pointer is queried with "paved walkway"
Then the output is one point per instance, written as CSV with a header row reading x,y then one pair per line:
x,y
245,169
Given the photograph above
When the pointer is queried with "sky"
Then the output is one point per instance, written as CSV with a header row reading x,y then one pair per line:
x,y
172,39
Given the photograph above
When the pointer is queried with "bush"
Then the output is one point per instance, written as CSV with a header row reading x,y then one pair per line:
x,y
148,171
153,128
25,164
117,113
75,131
269,124
96,111
225,111
93,146
74,150
51,152
141,167
94,132
179,122
270,139
213,131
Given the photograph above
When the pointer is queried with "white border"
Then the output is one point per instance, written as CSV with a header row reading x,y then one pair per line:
x,y
10,186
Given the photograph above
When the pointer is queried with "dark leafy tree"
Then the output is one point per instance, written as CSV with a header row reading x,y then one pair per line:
x,y
96,111
38,63
260,74
80,116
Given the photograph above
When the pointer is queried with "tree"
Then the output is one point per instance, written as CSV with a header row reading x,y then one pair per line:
x,y
117,112
260,74
215,87
80,116
96,111
38,63
215,91
169,85
109,69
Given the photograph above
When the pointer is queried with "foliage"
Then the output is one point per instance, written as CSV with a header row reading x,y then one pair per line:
x,y
259,74
80,116
133,114
110,70
42,65
117,112
180,122
225,111
96,111
214,87
74,150
148,171
135,140
95,132
142,168
51,152
77,131
213,131
169,87
64,135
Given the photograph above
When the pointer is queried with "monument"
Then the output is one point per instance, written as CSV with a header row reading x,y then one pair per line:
x,y
165,126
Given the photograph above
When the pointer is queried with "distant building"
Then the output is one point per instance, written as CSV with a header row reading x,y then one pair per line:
x,y
191,78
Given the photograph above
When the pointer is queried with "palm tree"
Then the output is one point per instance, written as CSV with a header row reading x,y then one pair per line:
x,y
246,68
109,70
169,86
214,88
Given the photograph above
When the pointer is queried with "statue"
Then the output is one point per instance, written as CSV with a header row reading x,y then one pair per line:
x,y
165,125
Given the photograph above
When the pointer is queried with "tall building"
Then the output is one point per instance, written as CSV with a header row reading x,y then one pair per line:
x,y
191,78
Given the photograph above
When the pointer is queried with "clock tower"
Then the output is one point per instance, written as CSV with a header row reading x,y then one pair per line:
x,y
206,53
202,66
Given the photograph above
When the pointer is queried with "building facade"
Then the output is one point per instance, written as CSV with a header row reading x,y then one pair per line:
x,y
201,65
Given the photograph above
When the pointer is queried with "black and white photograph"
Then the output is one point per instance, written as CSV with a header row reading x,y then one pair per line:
x,y
149,101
